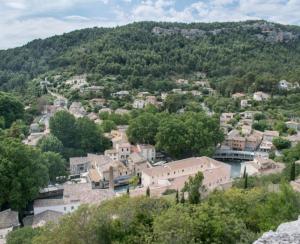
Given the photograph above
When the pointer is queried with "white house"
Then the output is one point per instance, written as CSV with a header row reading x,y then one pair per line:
x,y
74,195
244,103
260,96
9,221
139,104
147,151
269,135
261,166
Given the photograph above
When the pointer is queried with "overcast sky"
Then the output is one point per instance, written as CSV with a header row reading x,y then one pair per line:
x,y
24,20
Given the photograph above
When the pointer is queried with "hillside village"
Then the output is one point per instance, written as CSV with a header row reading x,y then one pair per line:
x,y
138,168
219,150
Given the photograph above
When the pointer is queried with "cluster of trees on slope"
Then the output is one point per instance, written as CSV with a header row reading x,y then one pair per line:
x,y
236,59
234,216
73,137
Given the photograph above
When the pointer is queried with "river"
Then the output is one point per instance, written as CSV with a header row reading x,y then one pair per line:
x,y
235,168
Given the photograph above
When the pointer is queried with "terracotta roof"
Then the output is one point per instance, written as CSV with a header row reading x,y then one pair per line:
x,y
195,162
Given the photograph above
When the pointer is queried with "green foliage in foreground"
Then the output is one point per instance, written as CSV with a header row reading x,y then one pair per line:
x,y
234,216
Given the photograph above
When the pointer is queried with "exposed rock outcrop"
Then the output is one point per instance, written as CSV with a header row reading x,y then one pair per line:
x,y
286,233
263,31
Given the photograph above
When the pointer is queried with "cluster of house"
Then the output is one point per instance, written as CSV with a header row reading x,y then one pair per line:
x,y
241,137
261,166
245,100
259,96
117,165
52,203
144,98
79,82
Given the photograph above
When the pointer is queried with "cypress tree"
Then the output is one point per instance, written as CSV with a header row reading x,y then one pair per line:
x,y
127,191
293,172
182,200
246,181
244,175
177,197
148,192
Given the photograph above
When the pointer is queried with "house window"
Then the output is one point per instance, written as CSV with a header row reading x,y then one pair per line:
x,y
65,208
183,170
72,207
168,173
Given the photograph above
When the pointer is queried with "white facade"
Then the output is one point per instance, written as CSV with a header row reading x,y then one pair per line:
x,y
260,96
215,173
59,207
138,104
244,103
3,233
147,152
123,150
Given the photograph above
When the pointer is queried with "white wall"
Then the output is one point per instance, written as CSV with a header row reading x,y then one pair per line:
x,y
67,208
3,234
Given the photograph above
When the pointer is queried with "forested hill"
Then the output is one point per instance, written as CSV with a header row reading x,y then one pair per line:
x,y
237,56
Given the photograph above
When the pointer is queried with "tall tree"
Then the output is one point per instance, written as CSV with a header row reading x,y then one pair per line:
x,y
143,129
56,165
11,109
177,197
293,171
50,143
246,181
148,192
89,136
192,187
23,171
63,126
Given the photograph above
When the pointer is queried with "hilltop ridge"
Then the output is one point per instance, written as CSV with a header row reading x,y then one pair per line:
x,y
137,54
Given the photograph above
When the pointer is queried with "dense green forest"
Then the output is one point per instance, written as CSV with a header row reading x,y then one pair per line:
x,y
236,56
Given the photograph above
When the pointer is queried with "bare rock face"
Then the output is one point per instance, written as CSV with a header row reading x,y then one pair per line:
x,y
264,31
286,233
187,33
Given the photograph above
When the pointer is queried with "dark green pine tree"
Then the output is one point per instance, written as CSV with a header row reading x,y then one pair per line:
x,y
293,171
244,175
246,181
177,197
182,199
148,192
127,191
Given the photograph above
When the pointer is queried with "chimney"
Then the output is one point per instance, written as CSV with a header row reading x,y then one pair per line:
x,y
111,178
